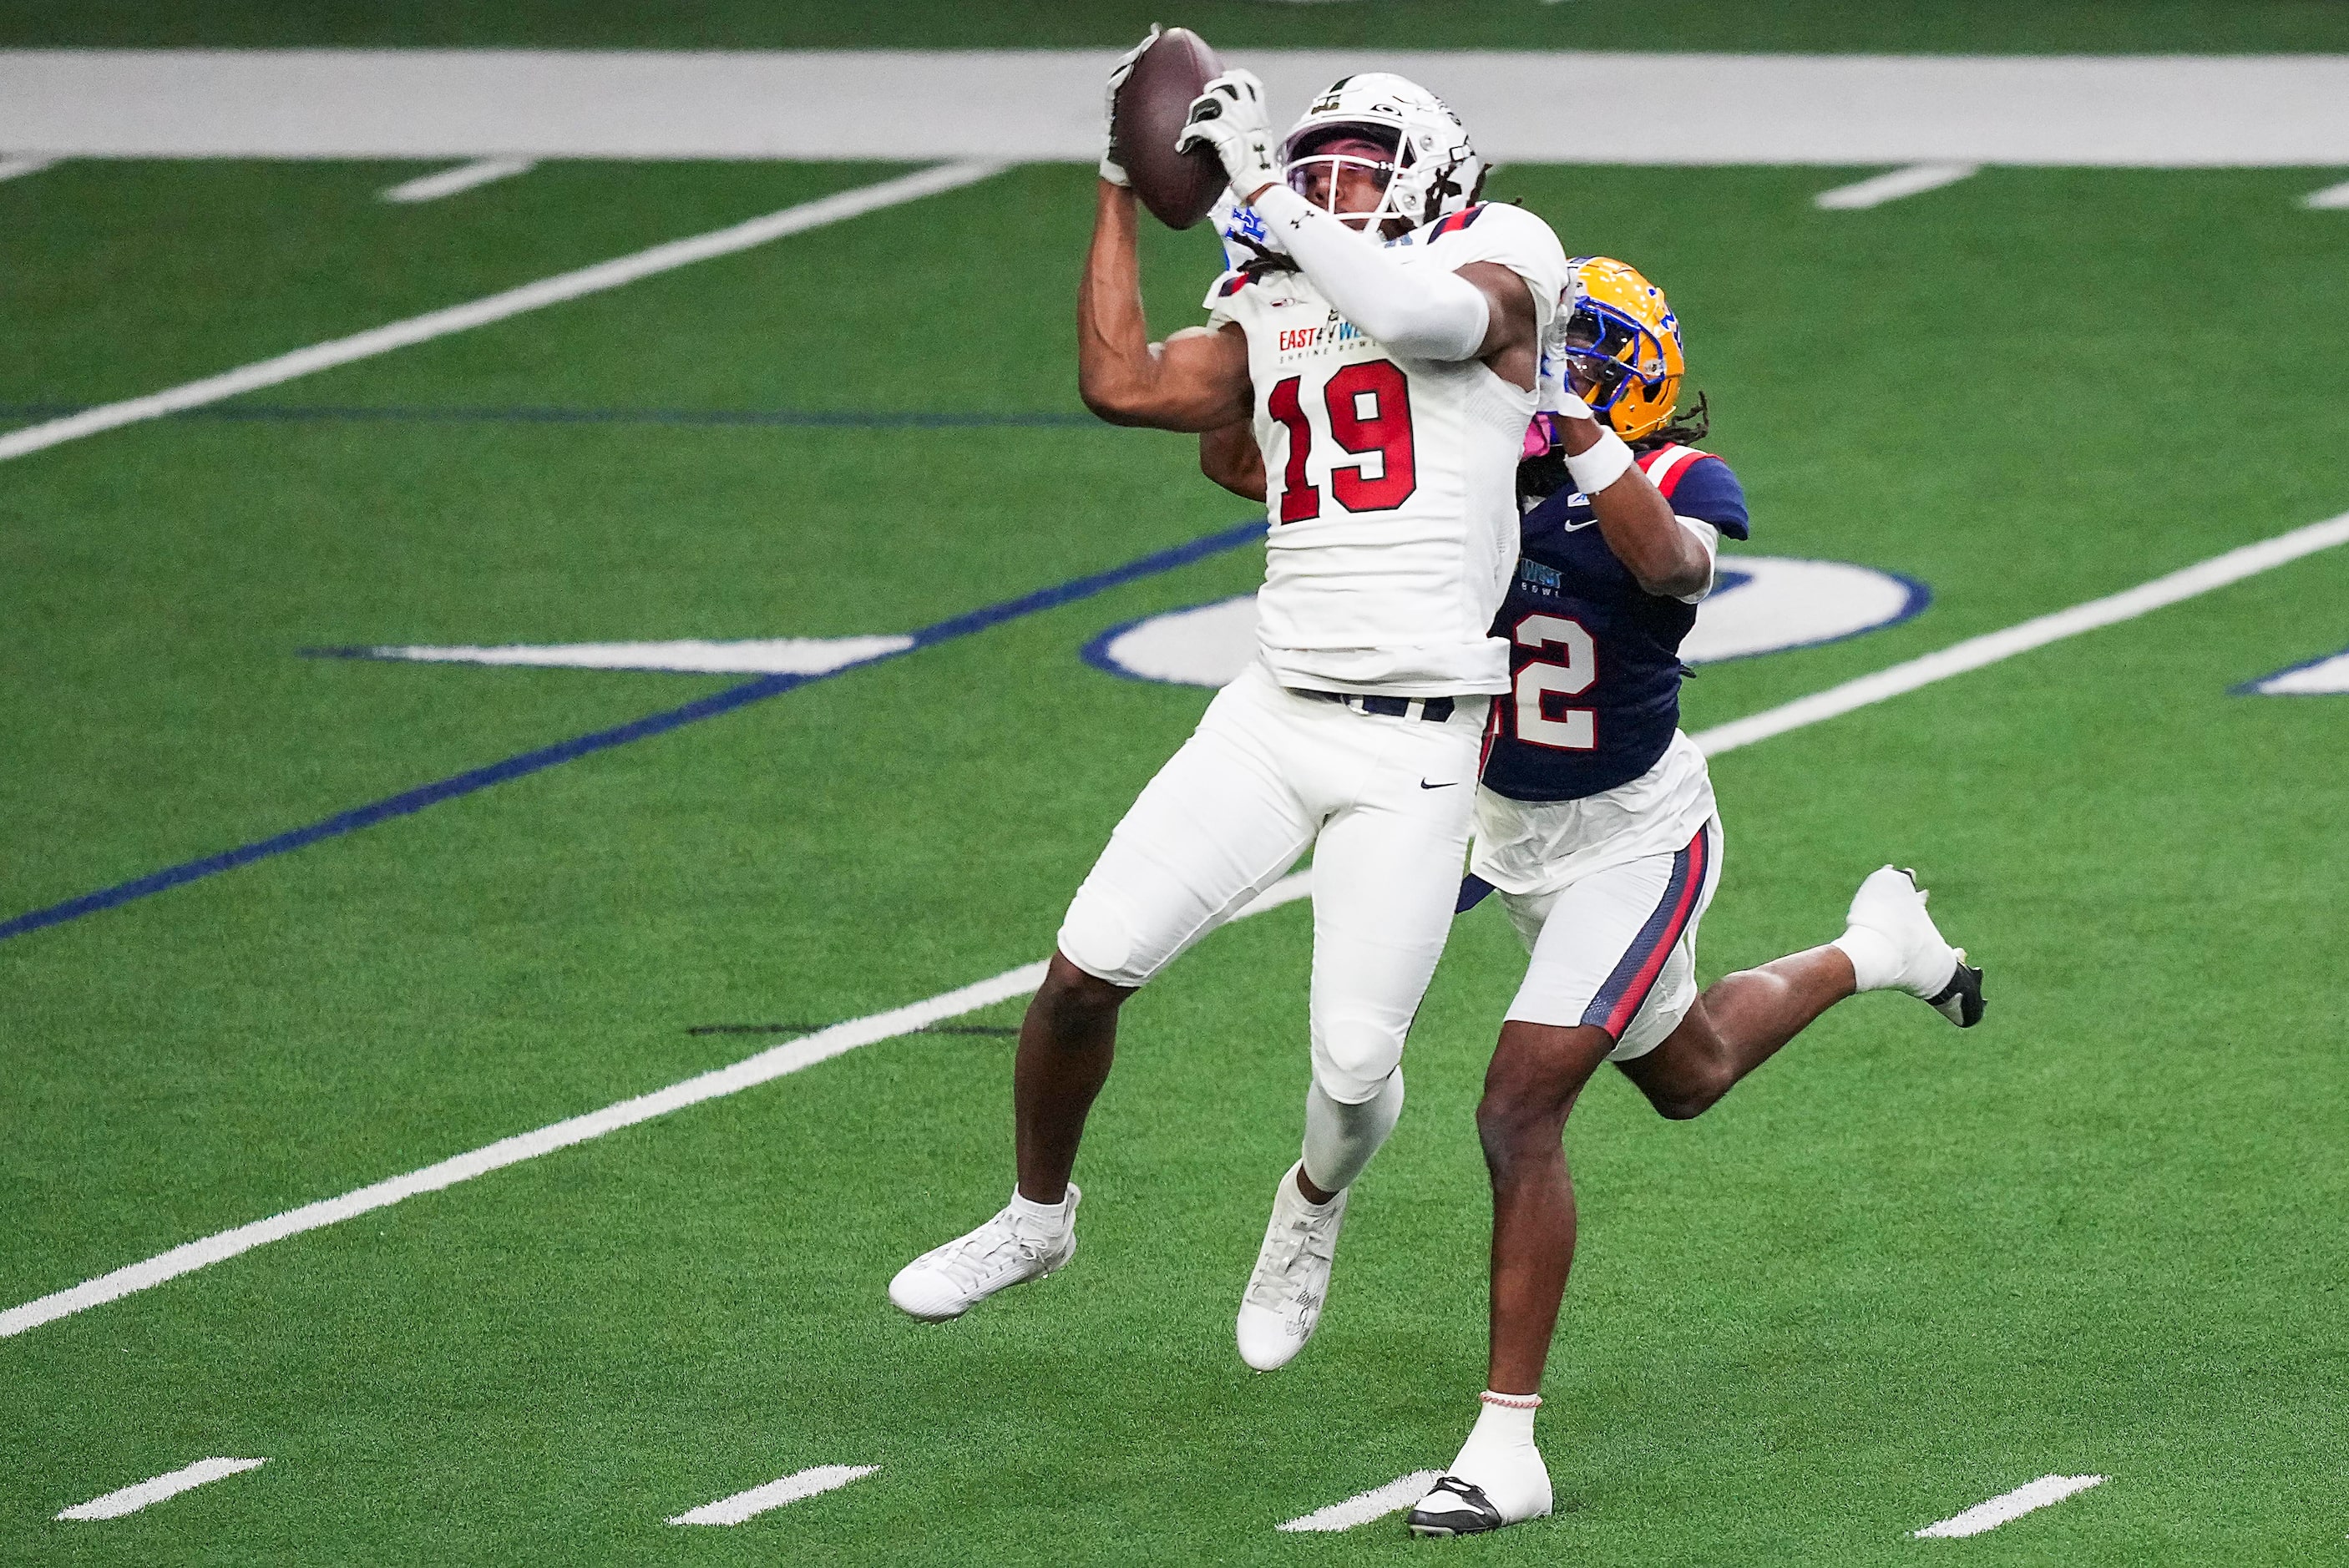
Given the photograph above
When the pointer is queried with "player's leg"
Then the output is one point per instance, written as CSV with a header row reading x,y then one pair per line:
x,y
1215,827
1066,1040
1738,1023
1602,950
1386,868
1742,1020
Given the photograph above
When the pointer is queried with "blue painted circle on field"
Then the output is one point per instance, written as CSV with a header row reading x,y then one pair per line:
x,y
1760,604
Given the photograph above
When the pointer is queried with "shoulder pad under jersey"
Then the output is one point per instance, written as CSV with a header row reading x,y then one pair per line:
x,y
1700,485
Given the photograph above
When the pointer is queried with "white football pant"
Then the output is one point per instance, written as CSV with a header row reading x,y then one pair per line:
x,y
1617,948
1382,801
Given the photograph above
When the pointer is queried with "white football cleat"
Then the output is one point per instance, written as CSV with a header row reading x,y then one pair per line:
x,y
1891,905
1282,1304
948,1281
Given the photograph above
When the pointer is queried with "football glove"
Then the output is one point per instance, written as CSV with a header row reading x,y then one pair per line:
x,y
1111,168
1230,119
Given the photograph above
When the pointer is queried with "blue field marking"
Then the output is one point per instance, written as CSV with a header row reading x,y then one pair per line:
x,y
2277,684
817,418
545,757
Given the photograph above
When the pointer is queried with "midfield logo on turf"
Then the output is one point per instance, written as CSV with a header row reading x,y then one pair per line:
x,y
1760,604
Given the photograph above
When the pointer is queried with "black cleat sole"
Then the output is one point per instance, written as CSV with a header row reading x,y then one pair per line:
x,y
1467,1512
1960,1001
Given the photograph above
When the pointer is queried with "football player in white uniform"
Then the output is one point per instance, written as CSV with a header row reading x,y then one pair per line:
x,y
1390,377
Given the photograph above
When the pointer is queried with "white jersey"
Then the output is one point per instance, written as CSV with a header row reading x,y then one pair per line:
x,y
1391,482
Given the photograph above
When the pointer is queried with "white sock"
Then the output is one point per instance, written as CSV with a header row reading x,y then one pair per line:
x,y
1044,1216
1500,1458
1875,959
1340,1138
1505,1425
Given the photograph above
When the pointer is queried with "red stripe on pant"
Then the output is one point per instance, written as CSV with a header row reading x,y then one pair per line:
x,y
1681,901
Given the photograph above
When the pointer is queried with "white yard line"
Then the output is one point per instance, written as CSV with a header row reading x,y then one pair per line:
x,y
1974,653
131,1499
18,168
449,181
1913,181
760,1499
2332,196
1363,1507
1998,1511
556,290
750,1072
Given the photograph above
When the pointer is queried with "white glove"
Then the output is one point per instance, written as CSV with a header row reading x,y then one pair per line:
x,y
1552,394
1111,168
1230,119
1556,399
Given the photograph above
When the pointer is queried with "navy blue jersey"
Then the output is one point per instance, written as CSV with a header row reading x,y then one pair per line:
x,y
1594,659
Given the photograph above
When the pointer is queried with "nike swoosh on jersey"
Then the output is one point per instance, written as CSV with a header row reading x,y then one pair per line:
x,y
1452,784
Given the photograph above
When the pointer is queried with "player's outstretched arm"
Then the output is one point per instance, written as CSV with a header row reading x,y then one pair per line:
x,y
1637,521
1417,312
1230,456
1420,311
1195,381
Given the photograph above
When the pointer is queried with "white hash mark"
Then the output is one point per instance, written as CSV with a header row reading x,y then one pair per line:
x,y
2009,1505
131,1499
761,1499
1363,1507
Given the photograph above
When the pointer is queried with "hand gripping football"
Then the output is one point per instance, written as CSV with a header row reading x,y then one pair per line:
x,y
1177,187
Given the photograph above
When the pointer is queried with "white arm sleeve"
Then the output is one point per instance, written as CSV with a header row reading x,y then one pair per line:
x,y
1422,312
1710,538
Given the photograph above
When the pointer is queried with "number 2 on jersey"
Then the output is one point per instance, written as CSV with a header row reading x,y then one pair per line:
x,y
1368,407
1570,729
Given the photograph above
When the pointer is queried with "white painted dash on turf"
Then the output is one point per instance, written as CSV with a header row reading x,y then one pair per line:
x,y
131,1499
764,655
496,307
1974,653
2009,1505
1362,1508
18,168
1914,180
450,181
751,1072
2332,196
764,1498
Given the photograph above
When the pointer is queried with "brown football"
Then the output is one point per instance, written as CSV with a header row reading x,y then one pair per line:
x,y
1177,187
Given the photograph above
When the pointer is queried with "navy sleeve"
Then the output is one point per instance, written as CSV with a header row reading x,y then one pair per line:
x,y
1708,491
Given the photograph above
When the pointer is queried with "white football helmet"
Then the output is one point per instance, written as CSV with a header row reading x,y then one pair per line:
x,y
1435,170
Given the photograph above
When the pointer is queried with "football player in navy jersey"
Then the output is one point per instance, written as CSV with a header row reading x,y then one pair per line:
x,y
1596,823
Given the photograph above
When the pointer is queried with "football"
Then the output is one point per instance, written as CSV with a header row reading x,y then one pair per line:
x,y
1177,187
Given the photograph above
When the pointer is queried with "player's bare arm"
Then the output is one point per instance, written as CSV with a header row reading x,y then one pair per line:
x,y
1197,379
1639,525
1512,342
1229,456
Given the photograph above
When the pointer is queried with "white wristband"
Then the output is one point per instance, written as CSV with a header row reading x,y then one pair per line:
x,y
1601,466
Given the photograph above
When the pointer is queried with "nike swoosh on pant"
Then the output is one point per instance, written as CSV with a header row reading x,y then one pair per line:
x,y
1452,785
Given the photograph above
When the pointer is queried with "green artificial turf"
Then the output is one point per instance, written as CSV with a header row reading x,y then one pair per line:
x,y
1900,1271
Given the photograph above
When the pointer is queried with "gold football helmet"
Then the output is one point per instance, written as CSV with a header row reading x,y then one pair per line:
x,y
1621,344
